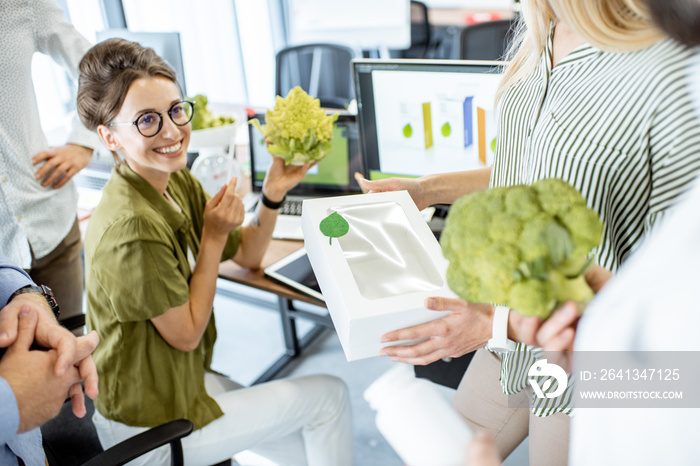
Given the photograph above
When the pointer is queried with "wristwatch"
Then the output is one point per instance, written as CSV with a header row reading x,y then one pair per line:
x,y
42,290
499,336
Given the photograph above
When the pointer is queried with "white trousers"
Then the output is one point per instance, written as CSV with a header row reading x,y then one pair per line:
x,y
298,422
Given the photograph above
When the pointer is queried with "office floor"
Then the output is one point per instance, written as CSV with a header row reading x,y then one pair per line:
x,y
250,339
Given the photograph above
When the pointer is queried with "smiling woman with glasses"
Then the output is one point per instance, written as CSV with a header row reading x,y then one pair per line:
x,y
150,123
152,253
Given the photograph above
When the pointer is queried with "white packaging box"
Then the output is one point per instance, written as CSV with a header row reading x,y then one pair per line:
x,y
376,277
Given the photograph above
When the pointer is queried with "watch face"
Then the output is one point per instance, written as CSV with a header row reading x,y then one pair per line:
x,y
51,299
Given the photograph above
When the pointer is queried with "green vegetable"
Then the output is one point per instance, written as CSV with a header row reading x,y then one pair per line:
x,y
203,118
297,129
334,226
526,247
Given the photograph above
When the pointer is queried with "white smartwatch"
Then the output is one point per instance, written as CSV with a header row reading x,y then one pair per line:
x,y
499,336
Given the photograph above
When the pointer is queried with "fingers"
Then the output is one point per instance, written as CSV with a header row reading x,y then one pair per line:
x,y
43,155
58,173
359,177
526,327
88,373
562,342
214,201
8,327
67,176
230,194
416,332
420,354
86,365
77,399
51,335
365,184
232,183
25,329
597,277
445,304
562,320
50,164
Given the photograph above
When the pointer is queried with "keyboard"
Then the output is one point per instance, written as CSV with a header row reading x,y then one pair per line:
x,y
291,207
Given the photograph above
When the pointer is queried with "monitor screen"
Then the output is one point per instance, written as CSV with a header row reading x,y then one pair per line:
x,y
334,175
165,44
314,21
419,117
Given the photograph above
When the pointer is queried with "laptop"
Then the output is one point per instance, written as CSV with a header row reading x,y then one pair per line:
x,y
333,176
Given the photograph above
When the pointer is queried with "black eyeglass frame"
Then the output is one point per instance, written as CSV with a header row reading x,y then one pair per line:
x,y
160,118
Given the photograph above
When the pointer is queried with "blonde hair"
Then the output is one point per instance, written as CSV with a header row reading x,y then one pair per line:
x,y
608,25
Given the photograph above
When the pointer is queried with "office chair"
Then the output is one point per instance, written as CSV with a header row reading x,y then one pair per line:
x,y
486,41
72,441
322,70
420,32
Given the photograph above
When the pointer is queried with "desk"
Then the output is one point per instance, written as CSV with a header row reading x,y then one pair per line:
x,y
279,249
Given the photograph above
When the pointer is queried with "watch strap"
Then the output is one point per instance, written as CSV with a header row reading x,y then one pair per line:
x,y
499,332
43,290
271,204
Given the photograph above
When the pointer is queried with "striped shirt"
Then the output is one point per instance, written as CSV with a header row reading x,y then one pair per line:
x,y
620,128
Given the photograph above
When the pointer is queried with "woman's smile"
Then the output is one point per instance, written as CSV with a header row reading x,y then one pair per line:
x,y
170,151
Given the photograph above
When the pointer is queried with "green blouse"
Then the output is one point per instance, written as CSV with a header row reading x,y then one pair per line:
x,y
136,268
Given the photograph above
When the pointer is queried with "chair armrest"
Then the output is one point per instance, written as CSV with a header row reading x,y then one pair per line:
x,y
136,446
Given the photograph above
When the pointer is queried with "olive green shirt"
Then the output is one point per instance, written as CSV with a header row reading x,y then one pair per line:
x,y
136,268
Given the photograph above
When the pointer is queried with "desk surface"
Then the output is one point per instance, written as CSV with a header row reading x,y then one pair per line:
x,y
278,249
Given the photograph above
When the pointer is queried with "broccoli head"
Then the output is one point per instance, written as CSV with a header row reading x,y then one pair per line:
x,y
523,246
532,297
203,118
557,196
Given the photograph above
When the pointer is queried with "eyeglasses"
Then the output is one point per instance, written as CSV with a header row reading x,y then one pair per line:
x,y
150,123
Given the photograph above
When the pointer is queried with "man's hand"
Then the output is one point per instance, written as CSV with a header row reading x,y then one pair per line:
x,y
70,351
39,392
61,163
465,329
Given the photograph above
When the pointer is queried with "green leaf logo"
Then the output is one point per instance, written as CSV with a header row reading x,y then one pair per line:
x,y
407,131
334,226
493,145
446,130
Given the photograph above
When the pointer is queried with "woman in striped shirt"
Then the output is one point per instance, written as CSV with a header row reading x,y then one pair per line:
x,y
594,94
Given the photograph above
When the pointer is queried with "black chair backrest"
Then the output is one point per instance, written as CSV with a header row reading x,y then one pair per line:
x,y
486,41
69,440
420,32
322,70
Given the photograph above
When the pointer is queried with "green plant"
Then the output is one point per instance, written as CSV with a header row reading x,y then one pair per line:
x,y
526,247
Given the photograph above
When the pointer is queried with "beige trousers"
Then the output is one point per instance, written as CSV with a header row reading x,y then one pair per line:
x,y
481,401
62,271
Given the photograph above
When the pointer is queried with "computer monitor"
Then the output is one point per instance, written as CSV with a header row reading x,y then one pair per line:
x,y
334,175
419,117
165,44
363,24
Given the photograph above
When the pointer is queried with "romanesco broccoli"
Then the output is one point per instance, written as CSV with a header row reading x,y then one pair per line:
x,y
526,247
297,129
203,118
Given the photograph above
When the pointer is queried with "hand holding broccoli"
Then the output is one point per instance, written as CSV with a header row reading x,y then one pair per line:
x,y
526,247
297,129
